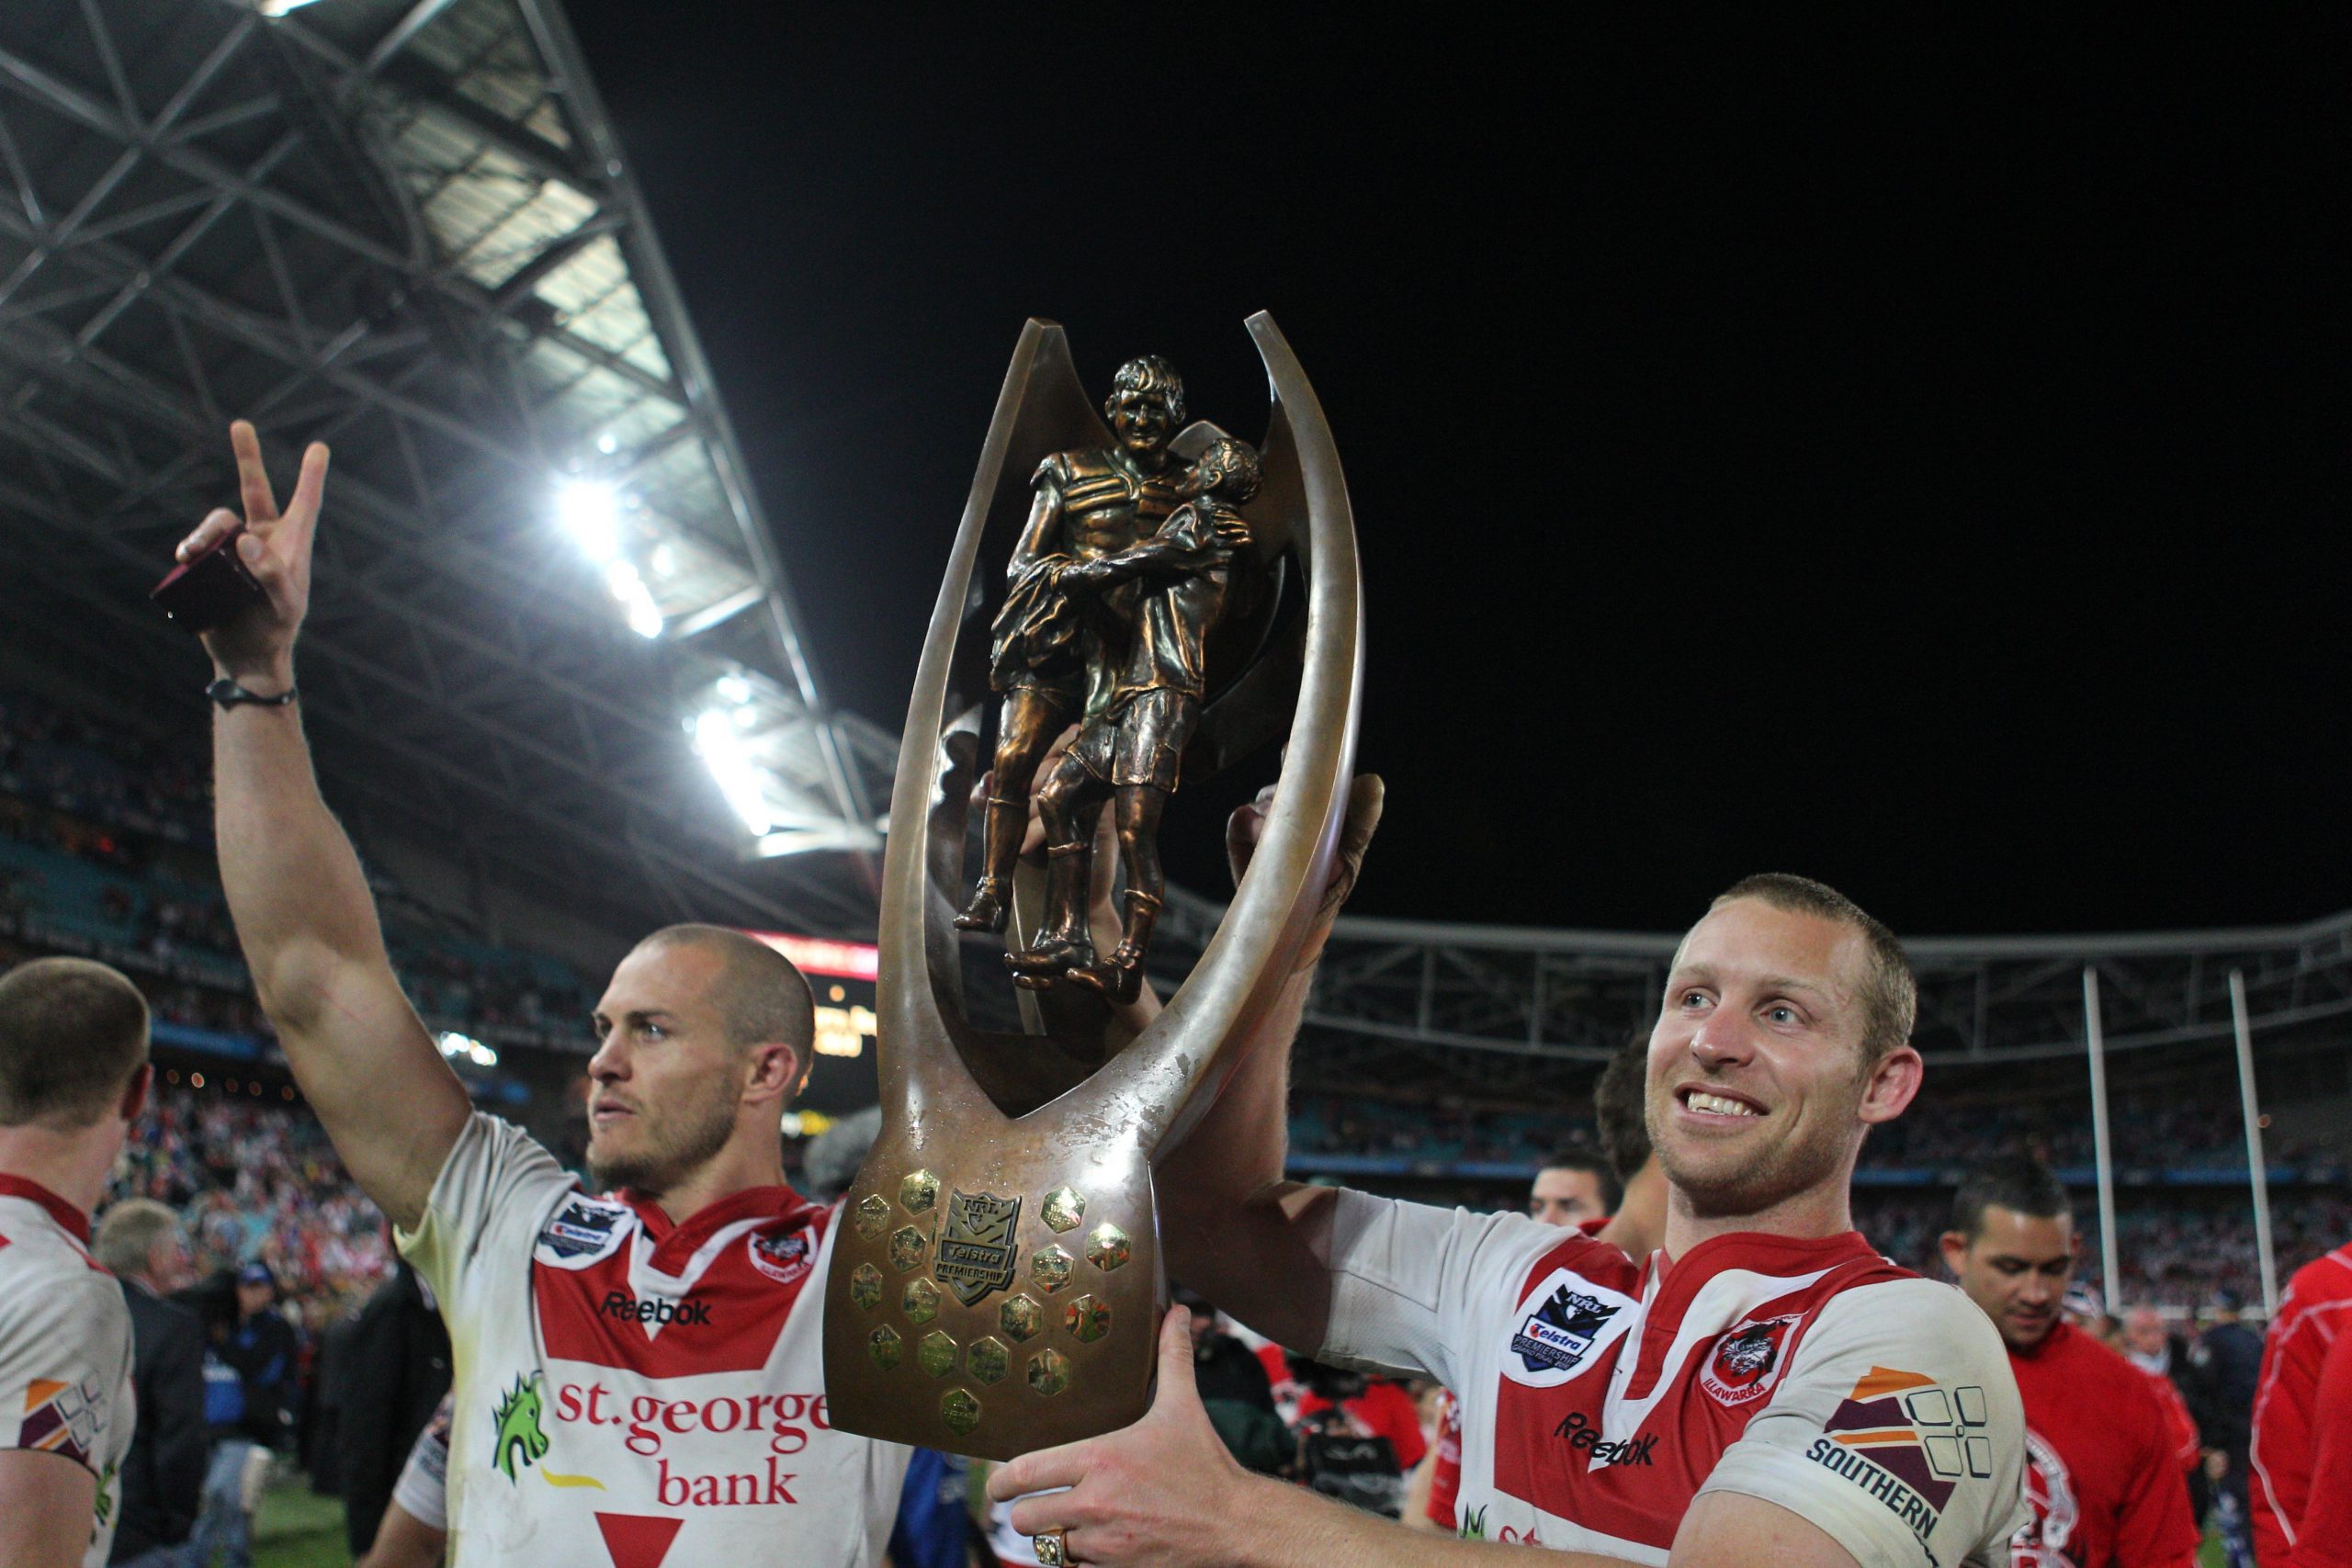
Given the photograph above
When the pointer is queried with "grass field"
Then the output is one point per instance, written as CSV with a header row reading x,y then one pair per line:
x,y
298,1529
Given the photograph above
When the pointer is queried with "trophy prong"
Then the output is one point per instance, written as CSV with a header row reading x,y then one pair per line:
x,y
1156,1082
996,1263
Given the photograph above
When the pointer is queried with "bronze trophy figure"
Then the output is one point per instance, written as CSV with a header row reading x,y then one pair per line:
x,y
1132,749
1090,501
1185,601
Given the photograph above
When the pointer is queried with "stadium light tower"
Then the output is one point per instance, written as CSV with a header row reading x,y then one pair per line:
x,y
590,512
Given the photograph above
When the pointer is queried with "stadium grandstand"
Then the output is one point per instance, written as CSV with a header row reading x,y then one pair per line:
x,y
559,694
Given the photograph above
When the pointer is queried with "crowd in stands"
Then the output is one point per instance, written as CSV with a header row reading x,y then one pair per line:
x,y
2154,1130
105,847
255,1179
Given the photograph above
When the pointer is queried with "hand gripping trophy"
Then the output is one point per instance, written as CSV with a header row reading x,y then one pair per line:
x,y
1185,600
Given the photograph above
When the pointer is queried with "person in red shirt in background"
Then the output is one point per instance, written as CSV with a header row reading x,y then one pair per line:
x,y
2288,1433
2104,1472
2324,1534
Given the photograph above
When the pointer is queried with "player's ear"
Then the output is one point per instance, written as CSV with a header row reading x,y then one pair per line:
x,y
773,1071
1954,1247
1892,1085
134,1093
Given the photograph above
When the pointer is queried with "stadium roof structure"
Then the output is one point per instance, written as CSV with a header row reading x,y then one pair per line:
x,y
1505,1012
552,631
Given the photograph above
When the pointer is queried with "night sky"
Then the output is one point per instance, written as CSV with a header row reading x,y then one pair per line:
x,y
1912,459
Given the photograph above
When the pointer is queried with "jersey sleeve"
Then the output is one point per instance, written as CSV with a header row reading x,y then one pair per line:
x,y
422,1489
494,1188
2324,1535
1407,1280
65,1369
1897,1430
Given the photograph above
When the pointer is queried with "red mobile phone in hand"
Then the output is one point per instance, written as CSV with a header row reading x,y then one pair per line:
x,y
206,590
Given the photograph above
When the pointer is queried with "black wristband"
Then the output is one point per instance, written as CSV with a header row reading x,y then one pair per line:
x,y
226,694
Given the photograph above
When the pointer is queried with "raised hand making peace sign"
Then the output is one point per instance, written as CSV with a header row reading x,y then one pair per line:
x,y
275,548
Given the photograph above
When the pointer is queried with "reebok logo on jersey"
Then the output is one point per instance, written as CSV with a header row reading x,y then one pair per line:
x,y
1581,1434
1746,1361
691,1312
1903,1439
1560,1333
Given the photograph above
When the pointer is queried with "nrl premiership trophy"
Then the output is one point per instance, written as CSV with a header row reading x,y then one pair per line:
x,y
1181,600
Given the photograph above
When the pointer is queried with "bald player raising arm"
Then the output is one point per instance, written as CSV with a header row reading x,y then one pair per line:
x,y
639,1374
1765,1389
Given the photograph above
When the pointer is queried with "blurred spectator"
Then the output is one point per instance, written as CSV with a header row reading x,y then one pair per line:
x,y
1573,1186
2231,1353
1233,1389
2183,1388
398,1371
249,1379
162,1476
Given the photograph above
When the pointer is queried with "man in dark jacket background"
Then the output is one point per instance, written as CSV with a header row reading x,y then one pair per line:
x,y
395,1371
250,1386
162,1476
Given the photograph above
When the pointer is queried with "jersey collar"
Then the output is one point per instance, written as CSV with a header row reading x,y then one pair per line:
x,y
673,1243
74,1222
2060,1332
1680,1279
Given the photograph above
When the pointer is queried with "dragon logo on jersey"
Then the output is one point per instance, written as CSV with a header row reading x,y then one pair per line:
x,y
1746,1361
783,1258
519,1440
583,1231
2041,1541
1908,1442
976,1247
1561,1332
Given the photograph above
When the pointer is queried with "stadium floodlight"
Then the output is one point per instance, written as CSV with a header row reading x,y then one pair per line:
x,y
636,599
590,511
280,7
737,776
465,1047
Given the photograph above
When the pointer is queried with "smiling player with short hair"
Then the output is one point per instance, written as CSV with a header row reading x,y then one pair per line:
x,y
1765,1389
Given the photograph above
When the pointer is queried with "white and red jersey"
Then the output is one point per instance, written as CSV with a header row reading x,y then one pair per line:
x,y
1599,1398
65,1366
634,1393
2316,1308
1445,1465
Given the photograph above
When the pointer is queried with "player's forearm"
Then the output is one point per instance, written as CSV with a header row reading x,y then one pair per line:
x,y
1234,1229
300,900
1161,554
308,929
1288,1527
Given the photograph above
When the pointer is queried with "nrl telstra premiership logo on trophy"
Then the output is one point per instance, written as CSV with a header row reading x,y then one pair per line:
x,y
977,1248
